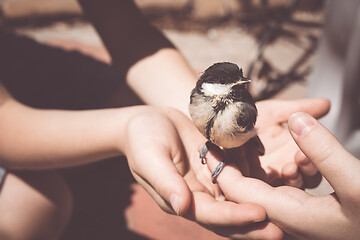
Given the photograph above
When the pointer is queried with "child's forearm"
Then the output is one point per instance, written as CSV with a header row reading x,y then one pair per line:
x,y
163,79
156,71
45,139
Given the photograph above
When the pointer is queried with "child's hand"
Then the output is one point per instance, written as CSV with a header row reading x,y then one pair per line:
x,y
281,163
335,216
162,150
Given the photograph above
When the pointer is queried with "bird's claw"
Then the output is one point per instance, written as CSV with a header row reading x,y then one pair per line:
x,y
217,171
203,152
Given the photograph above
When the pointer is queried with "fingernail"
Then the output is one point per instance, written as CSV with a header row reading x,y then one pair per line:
x,y
175,202
301,123
294,175
305,161
292,172
301,159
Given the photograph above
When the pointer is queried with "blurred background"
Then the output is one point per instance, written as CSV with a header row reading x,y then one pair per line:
x,y
274,41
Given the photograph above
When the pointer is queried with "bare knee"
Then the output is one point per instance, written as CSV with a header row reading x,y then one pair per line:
x,y
34,205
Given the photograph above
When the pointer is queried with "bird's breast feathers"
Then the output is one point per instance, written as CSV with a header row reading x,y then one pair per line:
x,y
226,131
219,126
201,111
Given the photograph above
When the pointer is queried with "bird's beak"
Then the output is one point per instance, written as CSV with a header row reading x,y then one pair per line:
x,y
242,81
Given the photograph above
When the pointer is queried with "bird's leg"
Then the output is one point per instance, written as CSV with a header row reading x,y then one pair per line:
x,y
221,165
203,152
218,170
260,146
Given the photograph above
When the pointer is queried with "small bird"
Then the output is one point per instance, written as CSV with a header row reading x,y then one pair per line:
x,y
223,110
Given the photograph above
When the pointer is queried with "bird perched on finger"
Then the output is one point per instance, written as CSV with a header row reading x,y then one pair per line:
x,y
223,110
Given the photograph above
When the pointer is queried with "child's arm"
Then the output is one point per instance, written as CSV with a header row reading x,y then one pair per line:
x,y
154,68
159,143
44,139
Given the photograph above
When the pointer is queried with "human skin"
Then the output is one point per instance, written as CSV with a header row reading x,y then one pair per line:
x,y
158,73
100,133
334,216
160,77
34,139
205,195
186,189
34,205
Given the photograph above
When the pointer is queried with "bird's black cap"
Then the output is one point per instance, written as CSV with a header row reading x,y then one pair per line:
x,y
223,73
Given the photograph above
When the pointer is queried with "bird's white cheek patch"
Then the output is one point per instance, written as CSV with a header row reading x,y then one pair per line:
x,y
212,89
